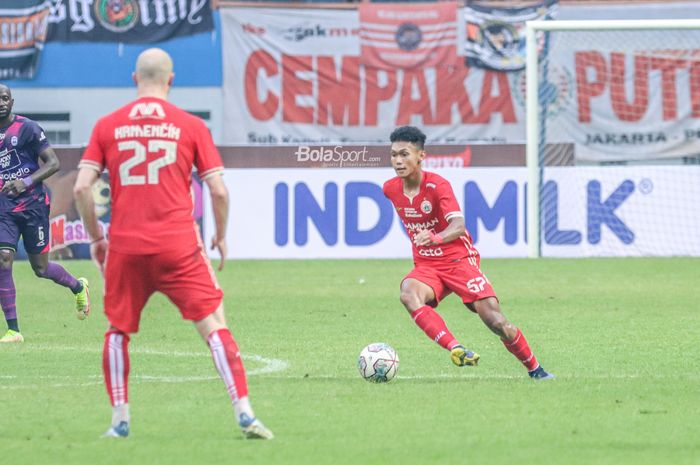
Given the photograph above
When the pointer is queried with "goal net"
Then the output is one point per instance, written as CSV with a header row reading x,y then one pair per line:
x,y
626,96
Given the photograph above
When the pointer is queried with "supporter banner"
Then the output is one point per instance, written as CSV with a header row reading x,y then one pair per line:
x,y
128,21
342,213
624,95
496,35
405,36
294,76
23,25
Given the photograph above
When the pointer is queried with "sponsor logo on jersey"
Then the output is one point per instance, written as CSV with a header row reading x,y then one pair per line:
x,y
42,136
144,110
2,136
420,226
426,206
11,166
6,158
410,212
117,15
437,252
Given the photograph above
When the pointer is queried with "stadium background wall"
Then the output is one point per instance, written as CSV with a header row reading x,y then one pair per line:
x,y
100,73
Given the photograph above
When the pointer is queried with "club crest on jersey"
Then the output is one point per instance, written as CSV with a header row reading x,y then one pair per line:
x,y
13,141
144,110
426,206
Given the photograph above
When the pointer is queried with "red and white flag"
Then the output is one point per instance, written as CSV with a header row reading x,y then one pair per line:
x,y
408,35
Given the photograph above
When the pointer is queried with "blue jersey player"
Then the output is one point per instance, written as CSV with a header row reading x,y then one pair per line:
x,y
24,211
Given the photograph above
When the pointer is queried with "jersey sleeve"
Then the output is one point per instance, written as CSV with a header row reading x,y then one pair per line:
x,y
36,138
94,154
385,190
448,201
206,156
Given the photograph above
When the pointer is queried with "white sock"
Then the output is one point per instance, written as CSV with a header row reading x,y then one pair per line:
x,y
242,407
120,413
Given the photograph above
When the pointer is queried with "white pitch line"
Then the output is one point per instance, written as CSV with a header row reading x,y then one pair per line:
x,y
270,365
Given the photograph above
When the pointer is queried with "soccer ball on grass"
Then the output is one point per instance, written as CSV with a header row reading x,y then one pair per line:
x,y
378,363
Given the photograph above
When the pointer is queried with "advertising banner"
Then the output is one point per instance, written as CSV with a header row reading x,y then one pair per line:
x,y
624,95
342,213
69,238
298,76
420,35
127,21
23,27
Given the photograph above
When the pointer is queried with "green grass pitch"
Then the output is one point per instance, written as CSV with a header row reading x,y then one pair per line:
x,y
620,334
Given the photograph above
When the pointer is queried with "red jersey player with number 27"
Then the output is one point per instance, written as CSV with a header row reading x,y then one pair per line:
x,y
150,147
444,257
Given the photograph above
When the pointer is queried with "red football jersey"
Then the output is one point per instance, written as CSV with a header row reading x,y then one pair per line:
x,y
432,208
149,148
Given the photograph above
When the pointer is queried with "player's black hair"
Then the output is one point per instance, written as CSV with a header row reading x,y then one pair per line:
x,y
408,134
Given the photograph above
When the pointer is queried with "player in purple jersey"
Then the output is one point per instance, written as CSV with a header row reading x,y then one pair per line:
x,y
24,211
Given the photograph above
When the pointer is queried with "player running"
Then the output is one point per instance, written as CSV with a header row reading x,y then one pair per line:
x,y
444,256
149,147
24,211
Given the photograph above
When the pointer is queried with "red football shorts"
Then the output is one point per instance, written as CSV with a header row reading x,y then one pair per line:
x,y
463,278
186,278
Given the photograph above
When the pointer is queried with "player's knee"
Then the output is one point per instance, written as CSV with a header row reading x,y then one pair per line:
x,y
6,259
409,299
502,327
39,269
499,326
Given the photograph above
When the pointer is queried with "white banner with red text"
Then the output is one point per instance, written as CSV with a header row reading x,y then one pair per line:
x,y
296,76
623,95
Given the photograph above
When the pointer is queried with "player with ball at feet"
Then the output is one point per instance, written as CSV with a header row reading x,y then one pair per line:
x,y
445,258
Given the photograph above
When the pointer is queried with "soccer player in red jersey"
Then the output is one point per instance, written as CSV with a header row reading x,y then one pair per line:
x,y
149,147
445,258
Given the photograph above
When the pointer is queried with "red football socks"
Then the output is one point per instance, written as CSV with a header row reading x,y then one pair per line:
x,y
227,359
115,366
521,349
434,326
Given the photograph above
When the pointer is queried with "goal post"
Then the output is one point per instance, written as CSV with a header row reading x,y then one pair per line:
x,y
539,39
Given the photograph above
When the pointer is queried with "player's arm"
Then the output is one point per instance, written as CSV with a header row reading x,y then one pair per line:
x,y
82,193
454,230
50,165
219,202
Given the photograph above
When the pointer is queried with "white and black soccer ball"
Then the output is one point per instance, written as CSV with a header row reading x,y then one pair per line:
x,y
378,363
